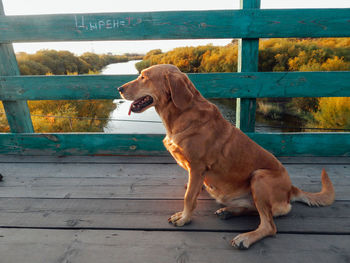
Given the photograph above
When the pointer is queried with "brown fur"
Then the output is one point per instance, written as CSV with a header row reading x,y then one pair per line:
x,y
236,171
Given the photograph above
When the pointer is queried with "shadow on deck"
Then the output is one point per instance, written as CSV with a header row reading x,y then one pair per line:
x,y
115,209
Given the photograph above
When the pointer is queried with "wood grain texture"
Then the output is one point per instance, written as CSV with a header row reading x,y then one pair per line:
x,y
167,159
245,114
99,228
143,187
105,246
211,85
17,112
82,144
280,144
119,159
133,172
248,58
135,181
303,144
153,215
310,172
248,23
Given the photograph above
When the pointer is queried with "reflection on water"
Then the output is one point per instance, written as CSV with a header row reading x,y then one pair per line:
x,y
121,68
121,122
227,108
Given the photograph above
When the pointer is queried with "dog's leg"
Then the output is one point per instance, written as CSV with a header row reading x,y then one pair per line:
x,y
270,194
194,186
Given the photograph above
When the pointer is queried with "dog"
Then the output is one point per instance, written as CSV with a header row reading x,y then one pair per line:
x,y
237,172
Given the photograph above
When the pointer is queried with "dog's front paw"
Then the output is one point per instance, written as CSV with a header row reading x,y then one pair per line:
x,y
241,241
179,219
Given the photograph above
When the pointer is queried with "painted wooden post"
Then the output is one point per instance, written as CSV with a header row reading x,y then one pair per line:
x,y
248,56
17,112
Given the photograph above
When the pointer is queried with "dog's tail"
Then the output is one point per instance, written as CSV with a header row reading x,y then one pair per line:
x,y
323,198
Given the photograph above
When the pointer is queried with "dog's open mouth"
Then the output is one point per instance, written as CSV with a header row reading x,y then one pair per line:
x,y
141,103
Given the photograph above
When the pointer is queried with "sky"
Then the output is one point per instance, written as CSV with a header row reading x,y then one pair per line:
x,y
28,7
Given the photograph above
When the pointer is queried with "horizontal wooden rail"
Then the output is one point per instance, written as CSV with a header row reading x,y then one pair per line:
x,y
248,23
281,144
212,85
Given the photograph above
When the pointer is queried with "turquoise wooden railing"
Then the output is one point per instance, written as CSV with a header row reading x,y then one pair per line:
x,y
248,24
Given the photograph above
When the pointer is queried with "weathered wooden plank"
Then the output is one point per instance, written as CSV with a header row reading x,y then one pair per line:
x,y
122,188
212,85
82,144
86,246
313,160
166,159
134,185
177,25
248,58
150,215
18,116
134,181
62,87
302,144
155,159
31,171
17,112
280,144
153,215
142,170
245,114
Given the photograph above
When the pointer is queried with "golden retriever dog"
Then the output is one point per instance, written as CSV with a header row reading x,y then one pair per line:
x,y
236,171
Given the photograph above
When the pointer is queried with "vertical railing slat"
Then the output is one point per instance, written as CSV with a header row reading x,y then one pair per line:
x,y
17,112
248,56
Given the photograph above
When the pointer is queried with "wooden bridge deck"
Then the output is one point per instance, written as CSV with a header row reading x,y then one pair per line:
x,y
115,209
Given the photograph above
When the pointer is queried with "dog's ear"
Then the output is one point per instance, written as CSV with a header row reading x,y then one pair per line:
x,y
179,88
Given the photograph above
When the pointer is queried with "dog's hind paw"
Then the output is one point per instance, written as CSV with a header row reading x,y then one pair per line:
x,y
179,219
223,214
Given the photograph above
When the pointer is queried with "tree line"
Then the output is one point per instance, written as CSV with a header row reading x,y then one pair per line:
x,y
283,54
66,115
55,62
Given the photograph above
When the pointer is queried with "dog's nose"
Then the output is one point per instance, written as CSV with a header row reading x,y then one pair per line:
x,y
121,89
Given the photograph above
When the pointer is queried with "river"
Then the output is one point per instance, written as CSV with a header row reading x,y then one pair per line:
x,y
149,121
120,121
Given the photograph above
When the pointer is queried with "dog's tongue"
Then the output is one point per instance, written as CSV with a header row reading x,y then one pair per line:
x,y
130,110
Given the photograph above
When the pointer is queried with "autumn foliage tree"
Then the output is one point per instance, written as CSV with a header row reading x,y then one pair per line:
x,y
70,116
274,55
333,113
63,62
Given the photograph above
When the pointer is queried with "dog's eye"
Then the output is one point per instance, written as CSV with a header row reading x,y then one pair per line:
x,y
142,77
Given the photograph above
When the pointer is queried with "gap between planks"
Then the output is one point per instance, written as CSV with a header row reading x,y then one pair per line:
x,y
294,233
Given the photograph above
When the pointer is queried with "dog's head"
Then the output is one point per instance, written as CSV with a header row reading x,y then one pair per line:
x,y
156,86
